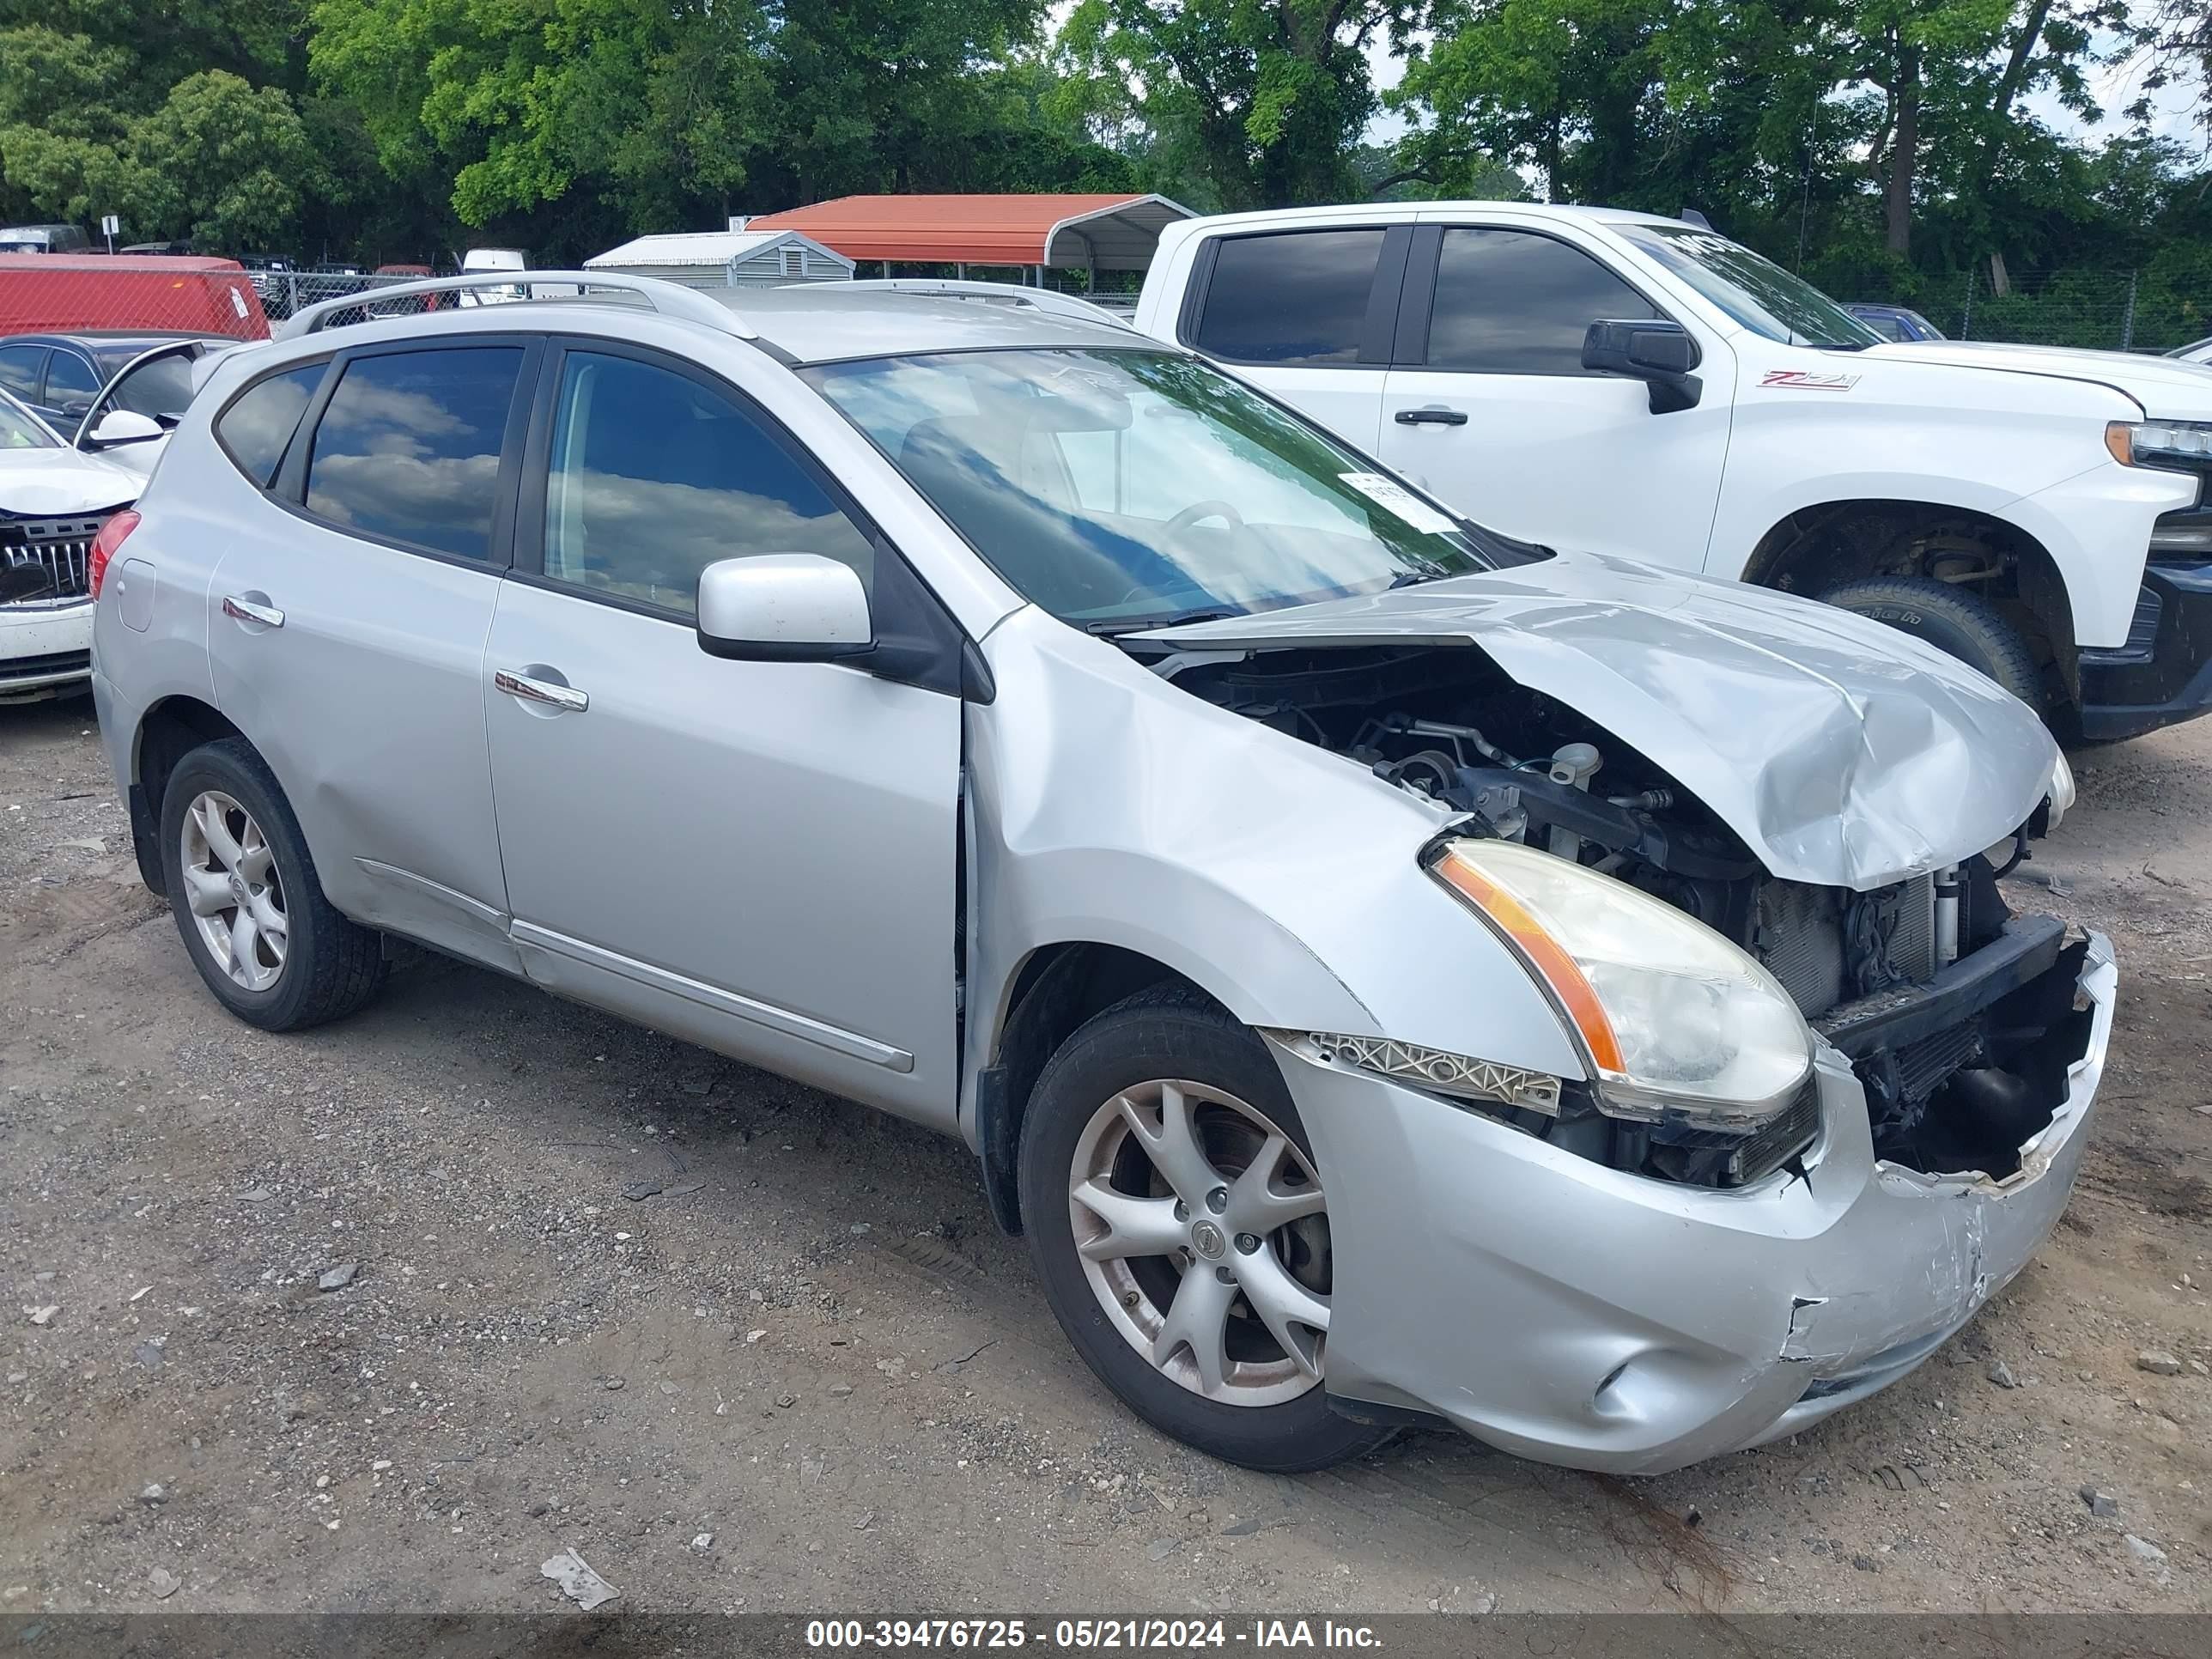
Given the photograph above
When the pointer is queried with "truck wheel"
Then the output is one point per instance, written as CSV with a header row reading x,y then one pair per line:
x,y
247,899
1956,622
1181,1231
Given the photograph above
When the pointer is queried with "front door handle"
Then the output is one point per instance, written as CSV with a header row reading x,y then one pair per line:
x,y
545,691
1430,417
246,611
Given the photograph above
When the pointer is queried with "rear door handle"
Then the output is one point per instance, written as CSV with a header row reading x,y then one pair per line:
x,y
246,611
1430,417
545,691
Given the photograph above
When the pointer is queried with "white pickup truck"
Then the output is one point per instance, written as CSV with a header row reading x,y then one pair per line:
x,y
1643,386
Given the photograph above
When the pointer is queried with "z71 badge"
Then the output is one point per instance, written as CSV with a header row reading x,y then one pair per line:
x,y
1802,379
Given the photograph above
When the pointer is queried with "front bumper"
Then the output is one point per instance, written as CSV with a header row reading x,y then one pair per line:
x,y
1565,1311
2163,673
45,651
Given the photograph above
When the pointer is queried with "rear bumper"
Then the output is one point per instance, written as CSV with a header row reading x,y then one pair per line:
x,y
1569,1312
2163,673
44,651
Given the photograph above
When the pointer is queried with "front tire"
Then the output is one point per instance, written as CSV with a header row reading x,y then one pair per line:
x,y
1180,1227
247,899
1955,621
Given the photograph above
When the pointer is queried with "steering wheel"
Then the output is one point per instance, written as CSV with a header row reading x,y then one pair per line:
x,y
1198,513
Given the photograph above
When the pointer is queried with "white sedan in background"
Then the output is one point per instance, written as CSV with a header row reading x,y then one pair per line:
x,y
54,497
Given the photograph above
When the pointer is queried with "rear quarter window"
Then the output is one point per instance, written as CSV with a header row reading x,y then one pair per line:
x,y
257,427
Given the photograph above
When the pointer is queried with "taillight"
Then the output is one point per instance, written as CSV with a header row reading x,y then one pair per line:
x,y
104,544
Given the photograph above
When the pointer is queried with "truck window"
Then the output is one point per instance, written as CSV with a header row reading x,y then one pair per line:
x,y
1514,303
1292,297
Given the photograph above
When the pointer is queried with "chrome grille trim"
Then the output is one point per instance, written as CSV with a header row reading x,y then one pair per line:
x,y
59,549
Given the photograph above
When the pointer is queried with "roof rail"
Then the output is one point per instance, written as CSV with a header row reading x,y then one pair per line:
x,y
1004,294
668,299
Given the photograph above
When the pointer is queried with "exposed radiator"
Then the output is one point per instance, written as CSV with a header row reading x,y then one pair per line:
x,y
1798,934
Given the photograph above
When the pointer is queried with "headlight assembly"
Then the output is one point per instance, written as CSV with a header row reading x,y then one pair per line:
x,y
2177,445
1675,1021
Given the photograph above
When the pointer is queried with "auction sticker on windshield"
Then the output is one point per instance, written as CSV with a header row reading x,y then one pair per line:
x,y
1389,492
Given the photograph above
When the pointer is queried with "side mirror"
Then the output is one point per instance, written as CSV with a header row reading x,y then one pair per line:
x,y
124,426
783,607
1661,353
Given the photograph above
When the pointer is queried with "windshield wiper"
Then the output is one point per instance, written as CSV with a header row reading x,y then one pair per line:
x,y
1113,628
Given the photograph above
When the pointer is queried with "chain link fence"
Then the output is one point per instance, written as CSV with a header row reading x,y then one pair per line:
x,y
164,294
2136,310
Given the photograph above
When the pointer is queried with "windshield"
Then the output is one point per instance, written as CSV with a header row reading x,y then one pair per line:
x,y
1125,488
1755,290
20,429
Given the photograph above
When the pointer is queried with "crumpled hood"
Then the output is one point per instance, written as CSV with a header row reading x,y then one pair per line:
x,y
1844,752
52,484
2165,386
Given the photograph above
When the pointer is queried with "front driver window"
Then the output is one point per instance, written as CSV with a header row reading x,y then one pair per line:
x,y
653,476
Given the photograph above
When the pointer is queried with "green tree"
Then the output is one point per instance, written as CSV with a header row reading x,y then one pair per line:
x,y
649,106
1758,107
221,162
1260,102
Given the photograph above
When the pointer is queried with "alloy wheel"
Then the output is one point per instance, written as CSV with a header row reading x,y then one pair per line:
x,y
235,891
1204,1233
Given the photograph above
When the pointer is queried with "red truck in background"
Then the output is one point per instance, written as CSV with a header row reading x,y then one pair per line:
x,y
43,293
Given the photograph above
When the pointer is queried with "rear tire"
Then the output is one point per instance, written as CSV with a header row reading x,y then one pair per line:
x,y
1955,621
1241,1258
247,901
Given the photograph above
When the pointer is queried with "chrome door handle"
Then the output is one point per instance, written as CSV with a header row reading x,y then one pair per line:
x,y
530,691
1430,417
240,610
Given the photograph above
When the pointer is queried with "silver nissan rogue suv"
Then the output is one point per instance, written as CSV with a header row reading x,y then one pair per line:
x,y
1392,973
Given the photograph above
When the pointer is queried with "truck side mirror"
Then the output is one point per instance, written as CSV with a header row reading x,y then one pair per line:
x,y
1661,353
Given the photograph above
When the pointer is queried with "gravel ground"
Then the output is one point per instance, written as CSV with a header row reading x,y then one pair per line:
x,y
804,1374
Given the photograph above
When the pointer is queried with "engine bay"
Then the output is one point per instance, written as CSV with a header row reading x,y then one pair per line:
x,y
1960,1021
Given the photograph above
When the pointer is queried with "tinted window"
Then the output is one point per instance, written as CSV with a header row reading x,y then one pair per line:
x,y
19,371
653,477
1296,298
70,379
162,387
408,447
1511,303
257,427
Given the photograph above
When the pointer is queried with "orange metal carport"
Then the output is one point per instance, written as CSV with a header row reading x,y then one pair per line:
x,y
1085,233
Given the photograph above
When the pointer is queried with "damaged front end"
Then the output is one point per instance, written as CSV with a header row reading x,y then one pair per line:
x,y
1959,1020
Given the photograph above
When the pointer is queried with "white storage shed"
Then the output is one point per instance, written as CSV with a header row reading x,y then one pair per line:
x,y
727,258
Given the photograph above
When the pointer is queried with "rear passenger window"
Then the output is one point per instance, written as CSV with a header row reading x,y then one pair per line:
x,y
1297,297
653,476
1513,303
408,447
69,381
255,430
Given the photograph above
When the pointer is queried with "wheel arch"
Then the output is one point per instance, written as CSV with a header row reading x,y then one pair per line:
x,y
1816,547
1054,990
168,730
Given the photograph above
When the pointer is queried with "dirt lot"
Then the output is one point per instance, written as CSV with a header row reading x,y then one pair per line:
x,y
806,1375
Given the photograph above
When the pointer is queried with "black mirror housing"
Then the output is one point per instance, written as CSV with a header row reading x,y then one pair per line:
x,y
1652,349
